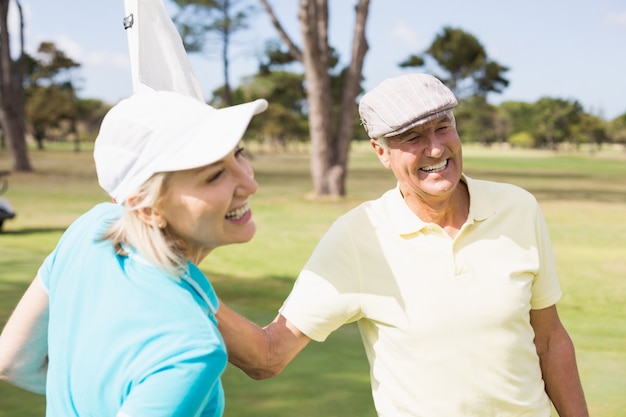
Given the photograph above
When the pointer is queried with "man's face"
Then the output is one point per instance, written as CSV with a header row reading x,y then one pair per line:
x,y
426,160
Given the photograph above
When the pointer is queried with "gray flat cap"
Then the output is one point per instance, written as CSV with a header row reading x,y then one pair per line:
x,y
400,103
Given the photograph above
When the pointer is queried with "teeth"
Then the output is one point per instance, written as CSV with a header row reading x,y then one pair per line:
x,y
436,168
238,213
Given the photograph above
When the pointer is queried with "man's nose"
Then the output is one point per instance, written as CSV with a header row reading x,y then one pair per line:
x,y
435,145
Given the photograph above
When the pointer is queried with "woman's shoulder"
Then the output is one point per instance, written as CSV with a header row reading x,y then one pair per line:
x,y
99,215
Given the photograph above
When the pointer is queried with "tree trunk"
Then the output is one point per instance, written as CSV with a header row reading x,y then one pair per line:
x,y
351,87
313,15
228,99
12,92
330,144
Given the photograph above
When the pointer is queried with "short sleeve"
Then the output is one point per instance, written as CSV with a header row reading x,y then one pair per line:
x,y
326,293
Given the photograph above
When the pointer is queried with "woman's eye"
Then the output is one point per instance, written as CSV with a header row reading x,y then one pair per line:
x,y
215,176
239,151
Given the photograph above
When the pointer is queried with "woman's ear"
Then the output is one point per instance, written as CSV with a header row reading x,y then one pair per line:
x,y
149,215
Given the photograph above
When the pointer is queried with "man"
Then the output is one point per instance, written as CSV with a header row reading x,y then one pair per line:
x,y
451,280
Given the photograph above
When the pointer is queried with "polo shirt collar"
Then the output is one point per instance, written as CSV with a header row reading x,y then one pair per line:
x,y
481,203
405,222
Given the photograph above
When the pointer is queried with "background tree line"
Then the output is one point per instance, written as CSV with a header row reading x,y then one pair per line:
x,y
313,97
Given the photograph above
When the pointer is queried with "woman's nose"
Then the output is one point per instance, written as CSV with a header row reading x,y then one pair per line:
x,y
248,184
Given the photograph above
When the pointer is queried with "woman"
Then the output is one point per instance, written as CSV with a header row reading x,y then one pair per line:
x,y
119,320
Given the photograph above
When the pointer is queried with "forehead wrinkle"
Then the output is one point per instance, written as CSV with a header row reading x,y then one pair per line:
x,y
420,128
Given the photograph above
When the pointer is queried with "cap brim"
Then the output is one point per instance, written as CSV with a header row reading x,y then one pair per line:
x,y
213,138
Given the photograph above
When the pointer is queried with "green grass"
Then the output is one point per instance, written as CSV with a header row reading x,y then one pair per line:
x,y
583,198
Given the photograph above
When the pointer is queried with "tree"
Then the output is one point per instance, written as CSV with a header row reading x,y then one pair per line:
x,y
330,137
461,62
522,140
617,130
50,94
591,129
90,113
476,121
554,121
222,18
284,121
12,90
518,116
45,108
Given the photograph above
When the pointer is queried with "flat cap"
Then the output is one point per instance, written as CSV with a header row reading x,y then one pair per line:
x,y
400,103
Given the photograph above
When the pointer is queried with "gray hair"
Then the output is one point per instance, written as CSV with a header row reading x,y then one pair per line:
x,y
154,243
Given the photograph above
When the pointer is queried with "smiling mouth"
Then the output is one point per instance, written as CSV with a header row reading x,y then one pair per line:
x,y
238,213
435,168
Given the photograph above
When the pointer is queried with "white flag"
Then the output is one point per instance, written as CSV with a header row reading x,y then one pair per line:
x,y
158,59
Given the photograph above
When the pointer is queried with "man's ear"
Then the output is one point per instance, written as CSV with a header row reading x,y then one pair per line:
x,y
381,153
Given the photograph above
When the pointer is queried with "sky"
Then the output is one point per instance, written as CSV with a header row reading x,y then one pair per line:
x,y
567,49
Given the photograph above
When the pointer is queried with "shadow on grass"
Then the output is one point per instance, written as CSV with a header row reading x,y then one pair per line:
x,y
32,230
592,195
561,186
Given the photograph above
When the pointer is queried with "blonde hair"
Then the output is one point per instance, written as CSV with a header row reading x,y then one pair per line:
x,y
154,243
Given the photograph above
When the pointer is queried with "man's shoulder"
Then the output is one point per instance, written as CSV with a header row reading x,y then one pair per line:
x,y
365,207
369,215
481,186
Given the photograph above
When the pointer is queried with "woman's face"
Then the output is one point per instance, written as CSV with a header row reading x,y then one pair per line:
x,y
207,207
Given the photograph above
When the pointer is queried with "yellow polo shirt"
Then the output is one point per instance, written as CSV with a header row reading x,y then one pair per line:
x,y
445,322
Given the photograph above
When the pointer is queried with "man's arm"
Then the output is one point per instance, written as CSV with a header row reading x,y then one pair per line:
x,y
558,363
259,352
24,342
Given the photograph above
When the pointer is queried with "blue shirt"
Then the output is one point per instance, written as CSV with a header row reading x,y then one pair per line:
x,y
123,336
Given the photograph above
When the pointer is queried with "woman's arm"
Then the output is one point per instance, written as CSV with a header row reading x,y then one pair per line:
x,y
259,352
558,363
24,341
